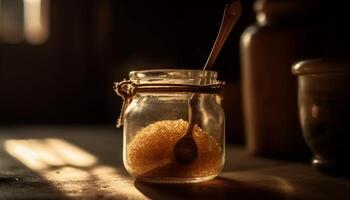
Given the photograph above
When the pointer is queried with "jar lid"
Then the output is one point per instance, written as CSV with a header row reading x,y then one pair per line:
x,y
322,65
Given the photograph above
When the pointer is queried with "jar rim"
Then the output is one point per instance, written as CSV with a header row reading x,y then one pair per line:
x,y
172,73
321,65
172,69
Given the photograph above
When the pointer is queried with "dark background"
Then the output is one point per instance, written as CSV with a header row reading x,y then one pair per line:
x,y
69,78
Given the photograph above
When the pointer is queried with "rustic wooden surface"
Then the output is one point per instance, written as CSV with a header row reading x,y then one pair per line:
x,y
102,176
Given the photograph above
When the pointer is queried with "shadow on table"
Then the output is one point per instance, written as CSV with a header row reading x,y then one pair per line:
x,y
218,188
19,182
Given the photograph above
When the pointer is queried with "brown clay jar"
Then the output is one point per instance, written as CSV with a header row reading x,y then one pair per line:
x,y
285,31
324,109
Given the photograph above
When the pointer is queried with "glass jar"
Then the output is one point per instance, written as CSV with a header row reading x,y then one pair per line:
x,y
155,118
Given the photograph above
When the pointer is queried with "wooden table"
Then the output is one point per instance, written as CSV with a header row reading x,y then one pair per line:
x,y
65,162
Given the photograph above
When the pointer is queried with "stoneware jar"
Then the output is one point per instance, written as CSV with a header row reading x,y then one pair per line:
x,y
324,110
285,31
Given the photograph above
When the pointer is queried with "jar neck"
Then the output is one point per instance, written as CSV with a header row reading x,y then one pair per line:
x,y
174,76
288,11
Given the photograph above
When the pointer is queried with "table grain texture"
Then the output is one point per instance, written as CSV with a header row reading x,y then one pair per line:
x,y
85,162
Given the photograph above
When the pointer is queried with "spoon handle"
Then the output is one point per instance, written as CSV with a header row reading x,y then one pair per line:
x,y
232,13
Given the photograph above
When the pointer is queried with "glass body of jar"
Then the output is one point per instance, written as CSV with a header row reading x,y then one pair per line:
x,y
285,32
154,122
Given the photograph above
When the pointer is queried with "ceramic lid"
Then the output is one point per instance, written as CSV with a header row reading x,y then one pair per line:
x,y
324,65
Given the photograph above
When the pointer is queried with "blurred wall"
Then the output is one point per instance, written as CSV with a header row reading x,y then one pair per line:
x,y
91,44
61,79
